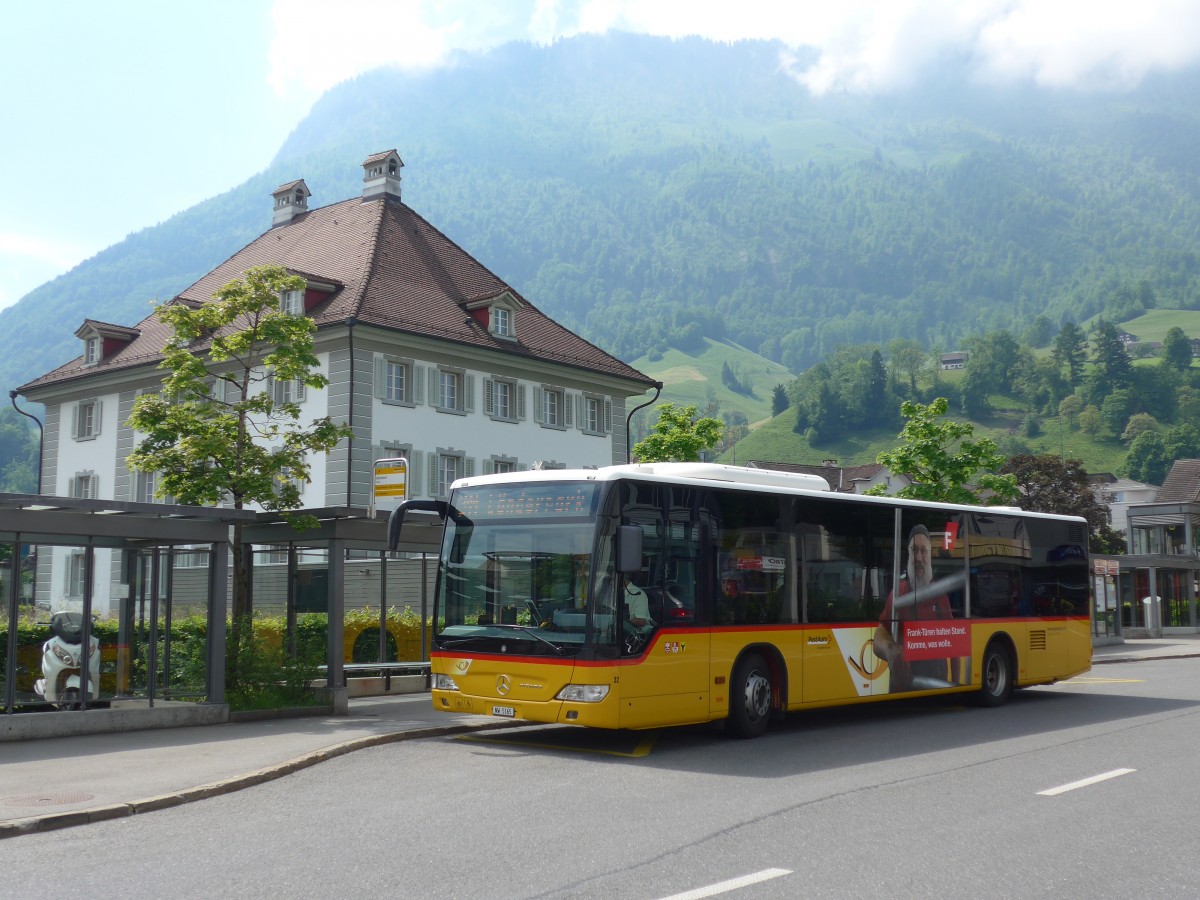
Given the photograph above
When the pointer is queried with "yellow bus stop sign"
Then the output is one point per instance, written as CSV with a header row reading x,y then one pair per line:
x,y
391,483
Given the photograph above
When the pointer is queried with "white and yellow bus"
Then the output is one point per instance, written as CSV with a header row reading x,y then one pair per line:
x,y
647,595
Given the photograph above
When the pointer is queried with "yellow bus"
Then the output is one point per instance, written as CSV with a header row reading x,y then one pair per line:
x,y
646,595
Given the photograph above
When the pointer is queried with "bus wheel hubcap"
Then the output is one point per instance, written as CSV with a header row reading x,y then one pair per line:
x,y
758,695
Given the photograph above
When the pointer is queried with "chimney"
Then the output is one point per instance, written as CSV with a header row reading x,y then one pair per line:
x,y
381,175
291,199
829,462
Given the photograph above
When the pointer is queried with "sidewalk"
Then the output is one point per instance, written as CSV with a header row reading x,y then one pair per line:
x,y
59,782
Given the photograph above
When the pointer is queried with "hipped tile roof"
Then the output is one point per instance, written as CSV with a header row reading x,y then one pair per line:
x,y
1182,484
393,270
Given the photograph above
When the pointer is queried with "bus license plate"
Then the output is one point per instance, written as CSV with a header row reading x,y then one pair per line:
x,y
504,711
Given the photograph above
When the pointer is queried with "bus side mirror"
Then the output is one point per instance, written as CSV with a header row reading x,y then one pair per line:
x,y
629,549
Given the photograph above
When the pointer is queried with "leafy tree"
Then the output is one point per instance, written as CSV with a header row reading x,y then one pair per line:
x,y
1176,349
1113,366
941,460
1052,485
1091,422
779,400
907,358
1182,441
678,436
1147,460
1070,407
213,432
1070,350
1139,423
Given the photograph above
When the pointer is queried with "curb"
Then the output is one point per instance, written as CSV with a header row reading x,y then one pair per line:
x,y
55,821
1129,659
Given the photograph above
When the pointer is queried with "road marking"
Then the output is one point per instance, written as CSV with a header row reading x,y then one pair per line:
x,y
1086,680
1095,779
732,884
642,749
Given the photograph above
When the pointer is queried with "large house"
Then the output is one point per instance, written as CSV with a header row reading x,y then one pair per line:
x,y
429,356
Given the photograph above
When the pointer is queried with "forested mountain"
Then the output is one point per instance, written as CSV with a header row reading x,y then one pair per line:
x,y
652,193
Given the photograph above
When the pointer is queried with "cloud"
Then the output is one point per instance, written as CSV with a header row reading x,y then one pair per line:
x,y
861,45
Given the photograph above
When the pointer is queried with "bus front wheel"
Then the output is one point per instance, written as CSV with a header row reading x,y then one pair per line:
x,y
749,697
997,676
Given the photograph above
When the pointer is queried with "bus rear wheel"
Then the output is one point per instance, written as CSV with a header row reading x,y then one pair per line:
x,y
749,697
997,683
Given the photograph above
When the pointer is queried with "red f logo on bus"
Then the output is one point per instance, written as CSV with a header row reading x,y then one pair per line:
x,y
950,536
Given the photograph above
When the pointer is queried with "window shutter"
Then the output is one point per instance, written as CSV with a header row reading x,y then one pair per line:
x,y
76,419
468,466
539,405
433,386
414,472
489,467
521,402
468,404
433,473
608,416
568,405
98,417
489,397
274,394
380,376
301,391
416,391
580,412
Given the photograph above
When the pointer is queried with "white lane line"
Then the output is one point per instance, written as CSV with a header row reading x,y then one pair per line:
x,y
1095,779
732,884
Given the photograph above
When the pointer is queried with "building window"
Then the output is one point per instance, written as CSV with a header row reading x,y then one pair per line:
x,y
76,574
87,420
287,390
504,399
452,390
502,322
553,409
448,390
145,484
595,415
292,303
85,486
91,351
395,382
498,465
445,466
398,380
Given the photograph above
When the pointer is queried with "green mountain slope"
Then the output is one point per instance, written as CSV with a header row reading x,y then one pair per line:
x,y
649,193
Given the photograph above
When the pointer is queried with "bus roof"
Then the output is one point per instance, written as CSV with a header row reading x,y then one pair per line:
x,y
730,476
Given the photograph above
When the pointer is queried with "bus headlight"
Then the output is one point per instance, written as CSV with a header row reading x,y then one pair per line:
x,y
444,683
583,693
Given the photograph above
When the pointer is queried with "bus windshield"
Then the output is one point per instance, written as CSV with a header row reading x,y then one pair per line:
x,y
515,567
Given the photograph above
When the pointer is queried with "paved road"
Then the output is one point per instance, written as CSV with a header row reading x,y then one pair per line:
x,y
910,799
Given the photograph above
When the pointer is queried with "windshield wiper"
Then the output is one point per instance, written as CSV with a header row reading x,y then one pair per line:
x,y
532,633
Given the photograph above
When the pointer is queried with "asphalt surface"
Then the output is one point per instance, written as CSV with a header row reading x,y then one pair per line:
x,y
59,782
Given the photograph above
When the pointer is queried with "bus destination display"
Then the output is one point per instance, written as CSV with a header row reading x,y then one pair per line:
x,y
526,501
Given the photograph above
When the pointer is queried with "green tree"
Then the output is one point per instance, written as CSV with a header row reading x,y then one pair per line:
x,y
1070,408
1176,349
214,432
1052,485
1147,459
1113,366
1091,422
1070,350
942,461
907,358
1139,423
779,400
678,436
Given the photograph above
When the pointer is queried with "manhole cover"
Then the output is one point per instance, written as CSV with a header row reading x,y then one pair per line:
x,y
46,799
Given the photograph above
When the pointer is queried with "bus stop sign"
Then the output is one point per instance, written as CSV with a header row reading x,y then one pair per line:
x,y
391,484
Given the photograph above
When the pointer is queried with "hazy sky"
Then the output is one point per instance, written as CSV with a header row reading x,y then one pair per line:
x,y
115,115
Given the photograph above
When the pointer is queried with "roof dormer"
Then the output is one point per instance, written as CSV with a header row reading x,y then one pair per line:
x,y
381,175
101,340
497,314
291,200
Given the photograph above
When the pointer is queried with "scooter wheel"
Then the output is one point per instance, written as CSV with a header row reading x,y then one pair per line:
x,y
69,699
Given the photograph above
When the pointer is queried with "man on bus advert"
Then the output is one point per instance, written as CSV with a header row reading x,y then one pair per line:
x,y
917,655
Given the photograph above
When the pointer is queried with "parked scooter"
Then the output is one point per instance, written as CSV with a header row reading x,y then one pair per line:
x,y
62,659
